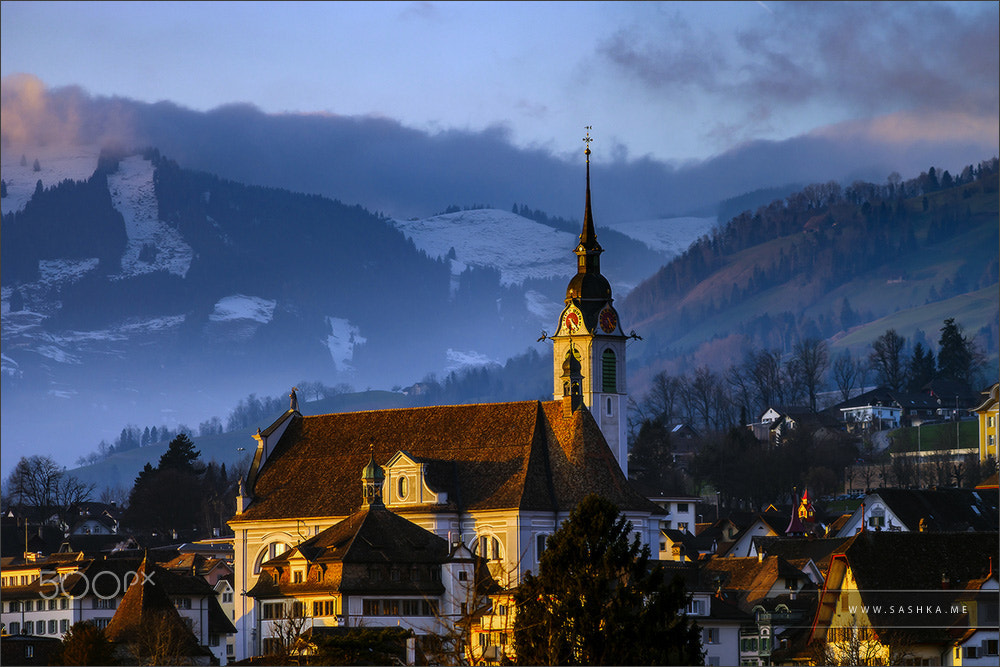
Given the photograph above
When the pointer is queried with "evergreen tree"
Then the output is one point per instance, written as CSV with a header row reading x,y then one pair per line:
x,y
955,353
919,369
36,166
599,600
180,454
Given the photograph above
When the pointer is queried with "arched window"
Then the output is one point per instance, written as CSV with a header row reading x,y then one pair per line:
x,y
267,553
488,547
609,372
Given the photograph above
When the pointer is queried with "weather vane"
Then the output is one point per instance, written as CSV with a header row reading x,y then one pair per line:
x,y
587,139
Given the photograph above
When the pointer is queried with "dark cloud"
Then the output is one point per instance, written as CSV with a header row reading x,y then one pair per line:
x,y
389,168
873,58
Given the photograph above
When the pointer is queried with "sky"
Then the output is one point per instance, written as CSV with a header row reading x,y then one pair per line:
x,y
676,82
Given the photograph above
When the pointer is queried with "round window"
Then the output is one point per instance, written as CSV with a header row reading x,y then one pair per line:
x,y
403,488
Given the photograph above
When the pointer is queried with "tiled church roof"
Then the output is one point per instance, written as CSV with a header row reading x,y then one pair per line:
x,y
522,455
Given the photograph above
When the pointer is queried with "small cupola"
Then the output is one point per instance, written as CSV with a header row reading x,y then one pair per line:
x,y
372,479
572,378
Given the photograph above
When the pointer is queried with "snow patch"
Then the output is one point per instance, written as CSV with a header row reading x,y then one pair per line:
x,y
241,307
670,236
521,249
65,271
459,359
133,195
343,338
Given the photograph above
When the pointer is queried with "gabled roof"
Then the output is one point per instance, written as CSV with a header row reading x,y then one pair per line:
x,y
521,455
930,570
943,509
750,578
146,606
373,536
818,551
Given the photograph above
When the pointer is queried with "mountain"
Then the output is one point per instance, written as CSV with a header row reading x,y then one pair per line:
x,y
842,264
138,292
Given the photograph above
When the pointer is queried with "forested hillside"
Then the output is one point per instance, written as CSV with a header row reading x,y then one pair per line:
x,y
824,263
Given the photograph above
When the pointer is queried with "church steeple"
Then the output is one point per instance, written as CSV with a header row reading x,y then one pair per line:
x,y
588,289
589,346
589,251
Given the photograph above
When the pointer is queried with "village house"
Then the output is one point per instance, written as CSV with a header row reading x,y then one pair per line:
x,y
932,510
987,412
44,597
910,598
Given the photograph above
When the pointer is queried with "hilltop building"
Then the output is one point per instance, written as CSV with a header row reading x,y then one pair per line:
x,y
493,480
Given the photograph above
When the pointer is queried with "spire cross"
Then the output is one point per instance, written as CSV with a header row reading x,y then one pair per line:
x,y
587,139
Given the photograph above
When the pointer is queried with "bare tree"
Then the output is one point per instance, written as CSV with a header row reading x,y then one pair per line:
x,y
40,487
847,374
886,359
810,359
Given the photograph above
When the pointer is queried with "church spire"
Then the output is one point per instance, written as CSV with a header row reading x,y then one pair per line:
x,y
588,237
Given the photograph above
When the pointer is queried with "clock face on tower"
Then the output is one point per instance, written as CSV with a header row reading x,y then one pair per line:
x,y
608,320
572,321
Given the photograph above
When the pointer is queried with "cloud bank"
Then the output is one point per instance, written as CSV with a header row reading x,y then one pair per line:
x,y
386,167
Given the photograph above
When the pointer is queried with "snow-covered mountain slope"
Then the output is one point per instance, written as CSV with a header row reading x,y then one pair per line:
x,y
134,196
55,165
519,248
522,249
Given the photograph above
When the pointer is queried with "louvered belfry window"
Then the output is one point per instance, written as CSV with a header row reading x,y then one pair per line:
x,y
609,367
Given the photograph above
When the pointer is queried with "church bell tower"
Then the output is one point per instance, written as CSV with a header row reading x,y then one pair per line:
x,y
589,330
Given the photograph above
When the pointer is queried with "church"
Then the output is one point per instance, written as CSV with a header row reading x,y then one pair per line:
x,y
491,481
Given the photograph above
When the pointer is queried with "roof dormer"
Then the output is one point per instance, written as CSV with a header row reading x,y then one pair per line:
x,y
406,483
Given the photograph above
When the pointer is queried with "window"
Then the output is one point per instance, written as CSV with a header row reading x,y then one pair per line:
x,y
463,575
682,525
53,627
713,660
272,611
52,604
227,597
40,629
540,544
28,605
64,626
696,608
324,607
101,623
297,577
609,368
711,635
29,627
488,547
990,647
271,646
29,651
15,628
64,603
182,603
403,490
15,605
109,603
609,407
682,508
